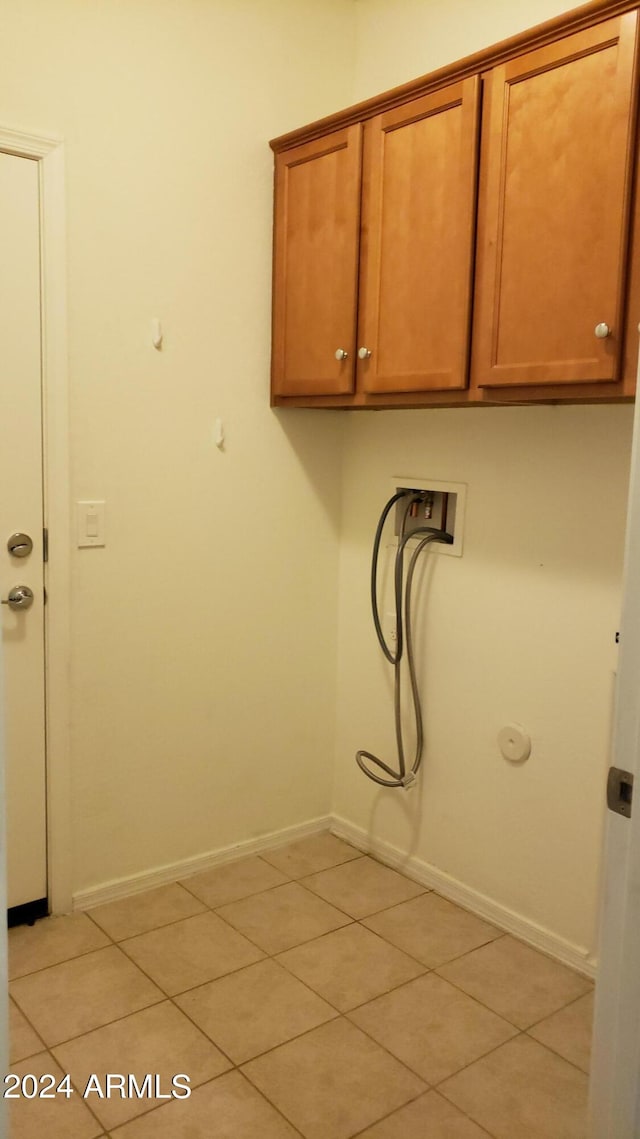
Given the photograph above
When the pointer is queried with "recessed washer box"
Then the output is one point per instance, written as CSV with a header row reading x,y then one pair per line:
x,y
443,507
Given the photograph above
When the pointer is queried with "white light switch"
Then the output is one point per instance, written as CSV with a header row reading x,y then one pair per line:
x,y
90,523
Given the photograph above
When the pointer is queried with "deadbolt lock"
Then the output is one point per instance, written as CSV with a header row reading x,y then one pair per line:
x,y
20,545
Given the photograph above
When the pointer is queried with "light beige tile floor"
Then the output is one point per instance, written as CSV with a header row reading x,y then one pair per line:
x,y
234,880
311,855
307,992
362,887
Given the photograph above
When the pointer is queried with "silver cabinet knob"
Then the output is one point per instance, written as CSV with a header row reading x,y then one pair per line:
x,y
341,354
602,331
364,353
20,597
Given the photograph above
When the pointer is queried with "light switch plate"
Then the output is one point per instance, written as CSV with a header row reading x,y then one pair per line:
x,y
90,518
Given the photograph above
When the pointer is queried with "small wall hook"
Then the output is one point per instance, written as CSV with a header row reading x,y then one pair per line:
x,y
156,333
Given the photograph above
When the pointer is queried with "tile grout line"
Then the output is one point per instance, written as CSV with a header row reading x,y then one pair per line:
x,y
427,1085
176,921
573,1001
286,948
373,913
308,873
502,1015
431,1086
440,1089
292,882
97,1027
483,1056
550,1048
234,1067
159,1106
31,1026
72,1082
252,894
152,929
308,1033
339,1016
166,925
170,997
344,1012
127,1016
441,964
54,964
273,956
271,1104
522,1033
395,1110
50,1052
560,1056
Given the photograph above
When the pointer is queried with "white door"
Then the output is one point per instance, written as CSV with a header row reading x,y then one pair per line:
x,y
615,1069
21,511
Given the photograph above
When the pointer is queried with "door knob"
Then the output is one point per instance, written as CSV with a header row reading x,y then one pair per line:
x,y
20,597
364,353
341,354
602,330
20,545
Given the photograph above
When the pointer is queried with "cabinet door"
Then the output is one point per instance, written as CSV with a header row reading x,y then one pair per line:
x,y
317,222
418,230
555,188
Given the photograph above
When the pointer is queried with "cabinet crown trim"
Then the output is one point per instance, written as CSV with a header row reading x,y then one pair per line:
x,y
566,24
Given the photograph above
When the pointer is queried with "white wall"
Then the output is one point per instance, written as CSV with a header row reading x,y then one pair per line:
x,y
199,716
522,627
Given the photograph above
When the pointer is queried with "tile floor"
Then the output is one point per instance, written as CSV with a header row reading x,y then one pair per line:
x,y
309,992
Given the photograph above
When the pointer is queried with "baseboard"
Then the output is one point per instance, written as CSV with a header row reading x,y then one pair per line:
x,y
138,883
575,956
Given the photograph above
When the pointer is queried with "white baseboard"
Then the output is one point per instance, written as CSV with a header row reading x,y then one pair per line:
x,y
575,956
137,883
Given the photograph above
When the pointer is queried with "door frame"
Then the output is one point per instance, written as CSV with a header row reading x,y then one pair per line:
x,y
49,154
615,1067
4,953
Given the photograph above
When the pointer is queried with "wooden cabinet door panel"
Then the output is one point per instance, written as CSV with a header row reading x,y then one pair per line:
x,y
316,264
418,211
555,189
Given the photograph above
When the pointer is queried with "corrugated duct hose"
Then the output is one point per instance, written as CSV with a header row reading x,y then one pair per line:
x,y
402,596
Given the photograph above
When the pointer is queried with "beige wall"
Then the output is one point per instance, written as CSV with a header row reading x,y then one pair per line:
x,y
199,716
521,628
398,40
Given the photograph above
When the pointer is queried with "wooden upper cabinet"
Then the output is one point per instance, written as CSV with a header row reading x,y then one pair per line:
x,y
556,176
417,242
471,237
317,221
